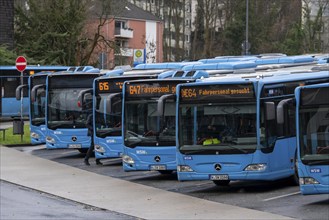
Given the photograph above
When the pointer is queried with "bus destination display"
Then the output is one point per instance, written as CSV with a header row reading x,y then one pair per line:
x,y
150,89
216,91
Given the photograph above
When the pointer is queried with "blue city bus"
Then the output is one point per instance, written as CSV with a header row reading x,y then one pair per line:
x,y
107,114
10,79
312,127
68,103
149,124
227,130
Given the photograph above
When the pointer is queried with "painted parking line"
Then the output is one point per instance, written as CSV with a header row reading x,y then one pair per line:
x,y
279,197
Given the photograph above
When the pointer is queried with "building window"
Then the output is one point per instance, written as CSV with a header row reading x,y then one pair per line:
x,y
187,38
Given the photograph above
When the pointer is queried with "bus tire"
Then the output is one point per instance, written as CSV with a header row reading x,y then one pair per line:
x,y
221,182
83,150
295,178
165,171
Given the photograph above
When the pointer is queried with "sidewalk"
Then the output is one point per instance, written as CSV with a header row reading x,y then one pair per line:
x,y
113,194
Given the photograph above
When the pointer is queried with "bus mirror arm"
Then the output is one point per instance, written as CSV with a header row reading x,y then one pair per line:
x,y
162,103
81,96
280,113
109,101
18,91
270,110
34,91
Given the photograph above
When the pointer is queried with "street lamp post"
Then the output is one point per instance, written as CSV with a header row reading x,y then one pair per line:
x,y
246,44
247,24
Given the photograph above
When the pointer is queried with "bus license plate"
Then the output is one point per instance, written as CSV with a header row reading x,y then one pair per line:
x,y
219,177
74,145
158,167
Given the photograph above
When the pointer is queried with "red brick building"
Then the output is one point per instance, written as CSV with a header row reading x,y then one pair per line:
x,y
131,35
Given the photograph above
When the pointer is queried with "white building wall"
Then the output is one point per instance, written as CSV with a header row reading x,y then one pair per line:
x,y
150,38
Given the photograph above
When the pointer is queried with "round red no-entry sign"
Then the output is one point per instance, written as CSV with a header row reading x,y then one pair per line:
x,y
21,63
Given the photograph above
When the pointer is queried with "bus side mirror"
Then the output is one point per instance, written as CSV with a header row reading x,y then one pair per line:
x,y
162,103
19,91
270,110
281,108
110,103
84,98
34,91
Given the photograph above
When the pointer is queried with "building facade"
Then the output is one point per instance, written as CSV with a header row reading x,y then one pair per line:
x,y
178,26
132,36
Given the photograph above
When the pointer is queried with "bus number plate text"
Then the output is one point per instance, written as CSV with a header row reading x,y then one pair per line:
x,y
74,146
158,167
219,177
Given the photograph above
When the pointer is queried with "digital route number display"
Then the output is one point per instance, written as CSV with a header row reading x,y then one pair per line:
x,y
152,88
219,91
114,85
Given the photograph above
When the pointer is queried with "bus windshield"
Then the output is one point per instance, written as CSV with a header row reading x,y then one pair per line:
x,y
217,128
314,134
143,125
108,123
64,111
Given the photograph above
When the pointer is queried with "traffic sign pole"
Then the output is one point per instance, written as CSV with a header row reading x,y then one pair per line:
x,y
21,64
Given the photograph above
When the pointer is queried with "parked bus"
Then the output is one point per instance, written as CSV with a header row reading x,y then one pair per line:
x,y
107,113
149,124
10,79
37,107
226,128
312,110
68,103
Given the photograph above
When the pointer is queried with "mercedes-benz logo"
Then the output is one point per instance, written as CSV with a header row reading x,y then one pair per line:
x,y
157,159
217,167
74,138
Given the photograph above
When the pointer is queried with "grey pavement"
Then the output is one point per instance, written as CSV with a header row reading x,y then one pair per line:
x,y
113,194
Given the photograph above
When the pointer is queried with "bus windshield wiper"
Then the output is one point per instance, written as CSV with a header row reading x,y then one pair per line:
x,y
207,148
235,148
318,162
109,132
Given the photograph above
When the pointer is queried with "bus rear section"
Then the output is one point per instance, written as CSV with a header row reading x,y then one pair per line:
x,y
312,105
68,104
227,128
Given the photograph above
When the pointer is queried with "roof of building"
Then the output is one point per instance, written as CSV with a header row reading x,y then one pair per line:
x,y
122,9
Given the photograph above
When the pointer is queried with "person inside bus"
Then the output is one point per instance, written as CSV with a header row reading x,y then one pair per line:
x,y
209,136
90,152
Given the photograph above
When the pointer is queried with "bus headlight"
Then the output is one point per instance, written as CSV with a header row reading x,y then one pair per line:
x,y
127,159
50,140
256,167
184,168
307,180
99,148
34,135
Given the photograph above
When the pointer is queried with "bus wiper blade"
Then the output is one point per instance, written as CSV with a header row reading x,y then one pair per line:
x,y
235,148
38,123
319,162
106,133
60,125
191,152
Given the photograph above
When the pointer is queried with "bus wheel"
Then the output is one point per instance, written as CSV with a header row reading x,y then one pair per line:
x,y
83,150
295,178
221,182
165,171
